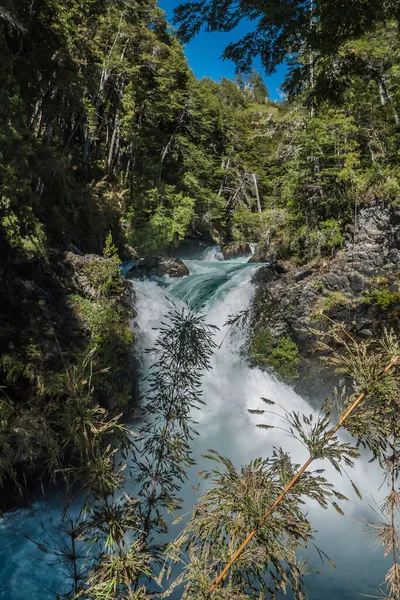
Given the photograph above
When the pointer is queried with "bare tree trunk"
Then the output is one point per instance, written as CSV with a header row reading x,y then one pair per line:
x,y
113,143
232,199
223,180
167,146
257,193
311,65
385,95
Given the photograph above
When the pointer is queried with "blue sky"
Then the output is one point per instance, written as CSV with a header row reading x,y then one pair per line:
x,y
205,50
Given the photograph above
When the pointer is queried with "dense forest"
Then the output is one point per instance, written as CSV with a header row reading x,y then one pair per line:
x,y
111,150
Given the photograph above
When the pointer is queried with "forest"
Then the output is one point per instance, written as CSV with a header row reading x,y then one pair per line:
x,y
113,152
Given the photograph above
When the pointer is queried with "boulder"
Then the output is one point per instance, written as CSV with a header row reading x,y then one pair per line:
x,y
268,273
235,249
157,266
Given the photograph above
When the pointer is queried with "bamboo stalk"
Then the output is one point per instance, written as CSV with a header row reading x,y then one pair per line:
x,y
221,577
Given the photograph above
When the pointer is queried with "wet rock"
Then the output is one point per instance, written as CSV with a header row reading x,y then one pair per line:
x,y
157,266
235,249
174,267
269,273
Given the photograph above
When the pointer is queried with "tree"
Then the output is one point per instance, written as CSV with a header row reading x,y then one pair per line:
x,y
283,28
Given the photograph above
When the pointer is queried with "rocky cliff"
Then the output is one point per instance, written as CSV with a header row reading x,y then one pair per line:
x,y
359,286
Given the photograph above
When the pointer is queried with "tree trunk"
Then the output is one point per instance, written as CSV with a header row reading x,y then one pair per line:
x,y
257,193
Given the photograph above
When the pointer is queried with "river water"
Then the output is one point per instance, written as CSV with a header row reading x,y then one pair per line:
x,y
223,288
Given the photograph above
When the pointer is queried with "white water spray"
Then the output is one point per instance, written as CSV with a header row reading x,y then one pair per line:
x,y
224,424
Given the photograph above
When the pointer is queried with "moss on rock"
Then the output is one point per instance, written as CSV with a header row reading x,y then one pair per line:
x,y
282,353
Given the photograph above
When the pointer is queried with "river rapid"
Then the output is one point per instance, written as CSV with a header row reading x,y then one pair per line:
x,y
223,288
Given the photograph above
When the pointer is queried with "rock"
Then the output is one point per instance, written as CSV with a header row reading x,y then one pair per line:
x,y
269,250
174,267
294,303
266,274
366,333
235,249
74,271
279,268
356,282
262,254
128,253
157,266
300,275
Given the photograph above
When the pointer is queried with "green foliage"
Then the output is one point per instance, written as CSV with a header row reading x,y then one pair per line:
x,y
110,250
280,32
107,322
324,166
324,240
248,226
170,213
232,506
282,354
127,140
105,277
331,301
182,353
383,298
103,128
109,549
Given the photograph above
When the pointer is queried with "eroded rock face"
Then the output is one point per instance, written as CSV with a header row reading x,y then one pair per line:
x,y
157,266
235,249
358,287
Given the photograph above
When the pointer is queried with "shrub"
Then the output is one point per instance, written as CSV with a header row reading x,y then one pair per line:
x,y
383,298
249,226
333,300
321,241
282,353
105,277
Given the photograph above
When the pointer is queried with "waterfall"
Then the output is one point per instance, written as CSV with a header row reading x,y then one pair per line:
x,y
222,288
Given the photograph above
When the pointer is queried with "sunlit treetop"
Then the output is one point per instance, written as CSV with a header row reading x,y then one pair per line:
x,y
283,28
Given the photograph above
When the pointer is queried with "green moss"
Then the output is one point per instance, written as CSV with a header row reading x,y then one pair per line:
x,y
282,353
331,301
383,298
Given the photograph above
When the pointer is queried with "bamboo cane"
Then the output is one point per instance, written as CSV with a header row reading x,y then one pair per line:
x,y
221,577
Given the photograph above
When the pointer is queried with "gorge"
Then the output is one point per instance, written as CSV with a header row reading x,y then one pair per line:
x,y
169,240
222,288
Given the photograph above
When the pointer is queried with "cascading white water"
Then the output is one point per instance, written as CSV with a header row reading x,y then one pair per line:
x,y
231,387
223,288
